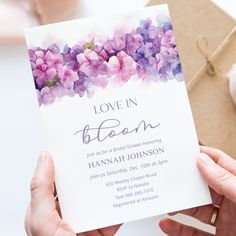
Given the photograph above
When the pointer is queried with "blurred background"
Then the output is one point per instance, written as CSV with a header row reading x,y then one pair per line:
x,y
21,135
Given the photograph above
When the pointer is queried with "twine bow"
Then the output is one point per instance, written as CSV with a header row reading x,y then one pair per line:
x,y
209,67
202,44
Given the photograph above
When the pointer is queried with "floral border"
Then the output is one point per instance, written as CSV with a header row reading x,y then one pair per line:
x,y
149,51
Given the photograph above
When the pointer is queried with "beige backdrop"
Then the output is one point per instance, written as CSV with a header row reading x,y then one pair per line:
x,y
213,110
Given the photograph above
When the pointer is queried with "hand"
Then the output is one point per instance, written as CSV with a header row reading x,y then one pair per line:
x,y
43,214
219,171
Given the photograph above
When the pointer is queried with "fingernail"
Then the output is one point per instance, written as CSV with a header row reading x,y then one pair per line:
x,y
206,160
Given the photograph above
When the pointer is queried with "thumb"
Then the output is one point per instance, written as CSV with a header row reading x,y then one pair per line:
x,y
218,178
44,218
42,184
42,189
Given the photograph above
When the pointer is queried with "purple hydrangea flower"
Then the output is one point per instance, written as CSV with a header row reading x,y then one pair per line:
x,y
44,65
67,77
80,85
91,64
122,66
45,96
144,29
70,56
149,51
134,42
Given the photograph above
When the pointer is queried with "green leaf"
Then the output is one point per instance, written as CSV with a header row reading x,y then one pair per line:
x,y
52,82
89,45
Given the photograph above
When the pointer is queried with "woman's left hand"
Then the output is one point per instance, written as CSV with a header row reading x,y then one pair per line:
x,y
43,214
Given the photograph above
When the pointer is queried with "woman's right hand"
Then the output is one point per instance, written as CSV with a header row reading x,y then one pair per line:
x,y
219,171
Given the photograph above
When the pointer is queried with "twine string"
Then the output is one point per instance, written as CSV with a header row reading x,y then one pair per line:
x,y
209,67
202,44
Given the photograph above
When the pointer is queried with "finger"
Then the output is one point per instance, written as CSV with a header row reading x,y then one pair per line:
x,y
42,185
173,228
27,222
44,218
221,159
109,231
202,213
218,178
91,233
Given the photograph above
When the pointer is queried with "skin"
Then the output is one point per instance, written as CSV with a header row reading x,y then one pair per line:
x,y
43,215
219,171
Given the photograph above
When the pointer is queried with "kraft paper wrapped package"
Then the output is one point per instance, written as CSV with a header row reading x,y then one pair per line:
x,y
212,106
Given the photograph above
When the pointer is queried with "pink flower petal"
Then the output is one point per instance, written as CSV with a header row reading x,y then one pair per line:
x,y
39,61
37,73
51,73
81,58
39,54
91,55
114,64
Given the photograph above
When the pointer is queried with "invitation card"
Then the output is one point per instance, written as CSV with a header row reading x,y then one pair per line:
x,y
117,117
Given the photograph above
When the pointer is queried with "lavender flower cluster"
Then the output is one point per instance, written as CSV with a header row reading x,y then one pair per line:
x,y
149,51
